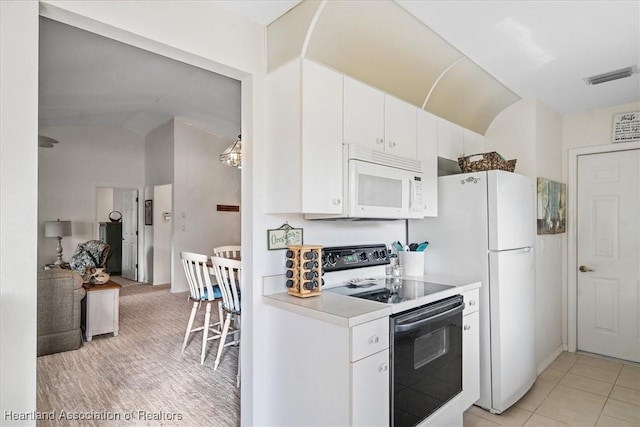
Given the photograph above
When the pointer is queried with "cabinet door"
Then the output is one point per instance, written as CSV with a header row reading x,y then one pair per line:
x,y
321,140
450,139
470,359
473,143
370,390
363,115
427,149
400,127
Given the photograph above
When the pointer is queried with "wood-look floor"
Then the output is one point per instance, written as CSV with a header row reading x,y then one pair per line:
x,y
140,377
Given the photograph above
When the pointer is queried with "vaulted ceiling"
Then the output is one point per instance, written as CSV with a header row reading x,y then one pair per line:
x,y
540,49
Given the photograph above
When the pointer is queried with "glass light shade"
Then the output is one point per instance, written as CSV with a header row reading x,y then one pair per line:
x,y
57,228
232,156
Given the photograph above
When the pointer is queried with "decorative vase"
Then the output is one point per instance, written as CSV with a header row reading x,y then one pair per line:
x,y
99,276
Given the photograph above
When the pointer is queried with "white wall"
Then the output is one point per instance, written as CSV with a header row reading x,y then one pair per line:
x,y
104,203
69,173
18,205
513,134
531,132
163,234
591,128
159,155
200,183
158,171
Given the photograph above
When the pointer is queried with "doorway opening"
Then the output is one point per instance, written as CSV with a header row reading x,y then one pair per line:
x,y
117,222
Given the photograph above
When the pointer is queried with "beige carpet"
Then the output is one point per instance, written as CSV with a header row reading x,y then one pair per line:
x,y
140,377
125,282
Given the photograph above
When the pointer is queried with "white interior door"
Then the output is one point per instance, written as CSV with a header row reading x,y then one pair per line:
x,y
130,234
608,254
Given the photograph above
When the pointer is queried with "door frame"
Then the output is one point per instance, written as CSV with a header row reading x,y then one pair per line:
x,y
572,221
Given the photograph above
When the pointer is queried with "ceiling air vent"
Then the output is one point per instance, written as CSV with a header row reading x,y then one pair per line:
x,y
611,75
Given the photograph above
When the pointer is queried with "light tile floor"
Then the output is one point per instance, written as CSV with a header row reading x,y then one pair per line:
x,y
575,390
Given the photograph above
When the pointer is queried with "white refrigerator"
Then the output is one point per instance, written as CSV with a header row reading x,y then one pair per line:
x,y
486,229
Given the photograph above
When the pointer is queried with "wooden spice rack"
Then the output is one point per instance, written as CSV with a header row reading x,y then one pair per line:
x,y
304,270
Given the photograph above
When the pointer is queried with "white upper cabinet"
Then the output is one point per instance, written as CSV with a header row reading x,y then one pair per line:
x,y
363,115
304,139
450,140
322,140
473,143
378,121
400,127
455,141
427,148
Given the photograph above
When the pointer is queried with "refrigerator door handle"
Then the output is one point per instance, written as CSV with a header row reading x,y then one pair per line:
x,y
514,251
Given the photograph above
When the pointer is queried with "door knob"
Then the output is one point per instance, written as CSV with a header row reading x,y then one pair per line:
x,y
584,269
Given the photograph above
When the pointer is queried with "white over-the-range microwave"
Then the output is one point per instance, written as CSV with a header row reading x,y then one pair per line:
x,y
378,185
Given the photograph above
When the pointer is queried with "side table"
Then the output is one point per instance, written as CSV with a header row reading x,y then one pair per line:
x,y
100,309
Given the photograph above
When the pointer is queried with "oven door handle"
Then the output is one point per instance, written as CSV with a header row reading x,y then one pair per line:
x,y
419,323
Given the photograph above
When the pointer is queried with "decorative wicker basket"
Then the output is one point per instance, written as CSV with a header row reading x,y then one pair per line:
x,y
485,162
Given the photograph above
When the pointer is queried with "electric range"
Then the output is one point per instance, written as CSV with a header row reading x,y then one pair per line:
x,y
425,333
404,294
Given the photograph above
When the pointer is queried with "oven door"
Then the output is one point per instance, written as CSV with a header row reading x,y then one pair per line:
x,y
426,360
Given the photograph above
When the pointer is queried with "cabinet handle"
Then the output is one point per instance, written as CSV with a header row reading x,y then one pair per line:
x,y
383,367
392,144
336,202
466,327
379,141
374,339
472,302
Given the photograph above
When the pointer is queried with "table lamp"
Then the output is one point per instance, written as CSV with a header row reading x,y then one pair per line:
x,y
57,229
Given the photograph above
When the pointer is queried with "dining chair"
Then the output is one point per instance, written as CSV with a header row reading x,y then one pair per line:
x,y
201,290
228,275
229,251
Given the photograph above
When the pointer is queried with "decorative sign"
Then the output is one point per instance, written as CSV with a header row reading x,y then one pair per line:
x,y
626,127
284,236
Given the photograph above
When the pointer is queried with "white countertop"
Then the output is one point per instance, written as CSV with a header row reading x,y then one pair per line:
x,y
348,311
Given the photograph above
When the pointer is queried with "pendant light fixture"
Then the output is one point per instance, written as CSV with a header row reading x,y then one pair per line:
x,y
232,156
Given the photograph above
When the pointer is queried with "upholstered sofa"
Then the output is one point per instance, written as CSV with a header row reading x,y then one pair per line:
x,y
60,292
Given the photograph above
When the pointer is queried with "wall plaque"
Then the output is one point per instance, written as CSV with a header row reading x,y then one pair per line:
x,y
626,127
284,236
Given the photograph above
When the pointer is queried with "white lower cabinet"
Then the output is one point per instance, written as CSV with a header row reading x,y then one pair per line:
x,y
470,350
326,374
370,390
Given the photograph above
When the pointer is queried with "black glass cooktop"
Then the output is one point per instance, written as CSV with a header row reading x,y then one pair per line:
x,y
390,290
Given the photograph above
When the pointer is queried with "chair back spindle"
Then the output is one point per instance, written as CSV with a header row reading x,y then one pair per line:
x,y
228,272
198,277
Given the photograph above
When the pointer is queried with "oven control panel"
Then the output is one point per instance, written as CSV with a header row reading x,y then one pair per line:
x,y
346,257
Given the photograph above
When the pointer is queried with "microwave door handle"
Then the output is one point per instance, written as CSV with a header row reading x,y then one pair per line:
x,y
418,323
411,191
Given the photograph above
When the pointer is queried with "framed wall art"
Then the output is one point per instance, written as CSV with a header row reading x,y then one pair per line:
x,y
552,206
148,212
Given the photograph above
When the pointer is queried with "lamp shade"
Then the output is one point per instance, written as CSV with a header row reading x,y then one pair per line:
x,y
57,228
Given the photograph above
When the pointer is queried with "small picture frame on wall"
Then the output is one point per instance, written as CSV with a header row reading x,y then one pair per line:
x,y
148,212
284,236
